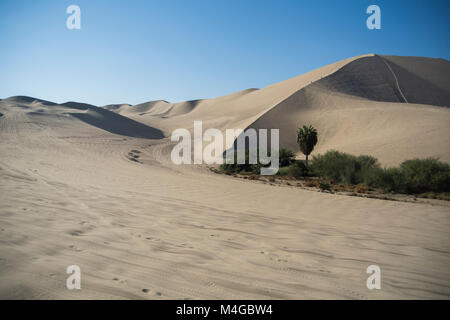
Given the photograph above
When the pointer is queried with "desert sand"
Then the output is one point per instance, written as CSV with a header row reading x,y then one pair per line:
x,y
95,187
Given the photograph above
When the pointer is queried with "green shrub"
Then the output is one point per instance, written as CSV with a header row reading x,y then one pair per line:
x,y
390,179
283,171
415,176
424,175
412,176
286,157
298,170
244,167
342,167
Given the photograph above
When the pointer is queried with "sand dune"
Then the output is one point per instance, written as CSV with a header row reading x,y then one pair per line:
x,y
393,79
358,105
95,187
362,109
92,115
116,107
117,124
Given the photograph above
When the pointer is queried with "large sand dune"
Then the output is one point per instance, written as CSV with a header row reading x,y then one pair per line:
x,y
95,187
385,106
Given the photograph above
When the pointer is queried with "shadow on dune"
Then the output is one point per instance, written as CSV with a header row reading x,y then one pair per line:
x,y
181,108
25,99
420,80
78,105
113,122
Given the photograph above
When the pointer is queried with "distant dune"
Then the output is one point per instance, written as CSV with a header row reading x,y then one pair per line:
x,y
90,114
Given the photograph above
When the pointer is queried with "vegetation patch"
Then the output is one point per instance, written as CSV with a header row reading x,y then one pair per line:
x,y
337,171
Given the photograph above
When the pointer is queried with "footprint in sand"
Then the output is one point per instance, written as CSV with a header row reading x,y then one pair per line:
x,y
153,239
133,155
73,247
75,232
149,291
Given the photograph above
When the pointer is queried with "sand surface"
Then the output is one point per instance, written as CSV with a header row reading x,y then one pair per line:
x,y
147,229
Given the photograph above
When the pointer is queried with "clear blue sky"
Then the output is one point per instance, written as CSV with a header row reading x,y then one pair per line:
x,y
135,51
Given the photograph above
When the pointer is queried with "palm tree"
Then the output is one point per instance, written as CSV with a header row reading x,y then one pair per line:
x,y
307,140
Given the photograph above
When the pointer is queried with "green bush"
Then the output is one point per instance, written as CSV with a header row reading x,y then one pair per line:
x,y
390,179
286,157
342,167
424,175
412,176
283,171
298,170
244,167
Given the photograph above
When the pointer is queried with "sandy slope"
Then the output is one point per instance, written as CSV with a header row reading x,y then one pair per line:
x,y
70,194
358,105
360,109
